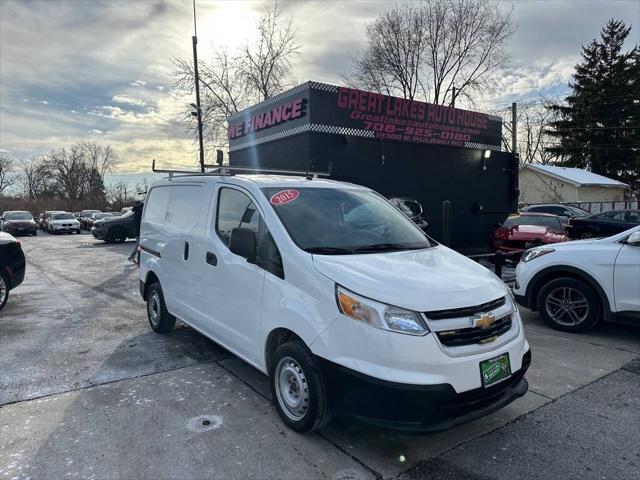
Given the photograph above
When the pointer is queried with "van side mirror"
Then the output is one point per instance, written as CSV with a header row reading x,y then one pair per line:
x,y
242,242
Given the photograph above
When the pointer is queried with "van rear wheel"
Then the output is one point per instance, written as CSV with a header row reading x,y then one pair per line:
x,y
160,319
298,388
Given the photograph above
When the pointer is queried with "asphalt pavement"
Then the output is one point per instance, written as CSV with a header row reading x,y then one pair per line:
x,y
87,390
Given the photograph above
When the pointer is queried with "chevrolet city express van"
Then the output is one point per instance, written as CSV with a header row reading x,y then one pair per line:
x,y
336,295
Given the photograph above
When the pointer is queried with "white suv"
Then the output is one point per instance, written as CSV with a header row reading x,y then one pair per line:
x,y
575,284
336,295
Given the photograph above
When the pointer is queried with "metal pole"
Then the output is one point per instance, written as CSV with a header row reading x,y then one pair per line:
x,y
514,129
453,98
499,263
446,215
194,39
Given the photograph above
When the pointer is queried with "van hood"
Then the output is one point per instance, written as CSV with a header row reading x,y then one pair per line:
x,y
421,280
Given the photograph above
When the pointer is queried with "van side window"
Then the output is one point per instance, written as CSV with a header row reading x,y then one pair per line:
x,y
183,206
236,210
156,205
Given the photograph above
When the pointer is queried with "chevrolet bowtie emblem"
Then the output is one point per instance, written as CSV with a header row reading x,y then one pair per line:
x,y
484,321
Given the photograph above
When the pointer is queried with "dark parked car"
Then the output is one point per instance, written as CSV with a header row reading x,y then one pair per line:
x,y
18,223
91,219
12,266
604,224
412,209
84,217
565,212
114,229
527,230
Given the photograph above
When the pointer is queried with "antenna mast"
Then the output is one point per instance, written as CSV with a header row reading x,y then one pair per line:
x,y
198,112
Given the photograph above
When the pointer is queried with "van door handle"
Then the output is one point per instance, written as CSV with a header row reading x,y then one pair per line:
x,y
212,259
186,251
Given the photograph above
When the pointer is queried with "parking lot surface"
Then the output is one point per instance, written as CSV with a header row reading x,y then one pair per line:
x,y
87,390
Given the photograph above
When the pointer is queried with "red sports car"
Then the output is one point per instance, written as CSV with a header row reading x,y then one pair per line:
x,y
526,230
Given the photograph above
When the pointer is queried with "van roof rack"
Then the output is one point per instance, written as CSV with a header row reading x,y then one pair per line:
x,y
221,170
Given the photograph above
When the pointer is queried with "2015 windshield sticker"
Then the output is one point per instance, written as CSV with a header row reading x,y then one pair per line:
x,y
284,196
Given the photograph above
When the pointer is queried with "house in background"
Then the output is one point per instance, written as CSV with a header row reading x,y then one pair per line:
x,y
550,184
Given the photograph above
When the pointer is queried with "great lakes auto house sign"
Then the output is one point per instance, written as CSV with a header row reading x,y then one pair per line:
x,y
321,108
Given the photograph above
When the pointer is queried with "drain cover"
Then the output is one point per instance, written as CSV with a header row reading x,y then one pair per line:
x,y
203,423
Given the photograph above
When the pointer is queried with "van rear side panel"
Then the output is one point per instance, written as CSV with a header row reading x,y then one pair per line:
x,y
171,239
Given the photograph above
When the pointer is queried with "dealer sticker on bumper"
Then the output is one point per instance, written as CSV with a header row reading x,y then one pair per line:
x,y
495,369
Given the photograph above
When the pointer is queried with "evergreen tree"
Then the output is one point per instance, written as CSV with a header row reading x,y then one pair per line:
x,y
598,127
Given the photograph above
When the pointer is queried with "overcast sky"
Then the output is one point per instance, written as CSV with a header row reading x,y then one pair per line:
x,y
74,70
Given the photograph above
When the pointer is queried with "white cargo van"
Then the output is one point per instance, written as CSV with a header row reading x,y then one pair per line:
x,y
336,295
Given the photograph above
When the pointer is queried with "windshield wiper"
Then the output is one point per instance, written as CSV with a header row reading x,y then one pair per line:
x,y
386,247
329,250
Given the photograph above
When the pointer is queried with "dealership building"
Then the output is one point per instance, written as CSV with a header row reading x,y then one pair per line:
x,y
448,159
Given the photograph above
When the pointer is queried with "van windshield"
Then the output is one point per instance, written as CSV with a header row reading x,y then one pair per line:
x,y
336,221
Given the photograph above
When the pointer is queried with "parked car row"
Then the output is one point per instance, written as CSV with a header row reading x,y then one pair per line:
x,y
549,224
52,221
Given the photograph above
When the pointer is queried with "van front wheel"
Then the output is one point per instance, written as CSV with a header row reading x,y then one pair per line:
x,y
298,388
160,319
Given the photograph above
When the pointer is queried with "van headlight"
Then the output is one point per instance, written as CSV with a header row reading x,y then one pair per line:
x,y
535,253
379,315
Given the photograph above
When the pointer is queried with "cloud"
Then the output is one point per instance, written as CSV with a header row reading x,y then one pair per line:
x,y
117,86
126,99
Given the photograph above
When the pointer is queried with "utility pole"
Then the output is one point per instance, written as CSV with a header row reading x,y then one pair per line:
x,y
453,97
198,112
514,129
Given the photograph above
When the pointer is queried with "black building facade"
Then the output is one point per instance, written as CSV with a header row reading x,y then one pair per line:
x,y
398,147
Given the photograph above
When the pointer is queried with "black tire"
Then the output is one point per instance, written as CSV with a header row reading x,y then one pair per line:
x,y
5,281
35,233
315,412
117,235
569,304
162,321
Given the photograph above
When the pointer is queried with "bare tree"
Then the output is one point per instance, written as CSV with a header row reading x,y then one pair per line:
x,y
533,119
101,158
77,173
266,65
394,59
438,51
6,172
225,92
231,82
32,178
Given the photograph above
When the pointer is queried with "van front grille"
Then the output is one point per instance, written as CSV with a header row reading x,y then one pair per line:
x,y
470,336
465,311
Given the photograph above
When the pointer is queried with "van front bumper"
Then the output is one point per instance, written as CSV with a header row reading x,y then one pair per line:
x,y
416,408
